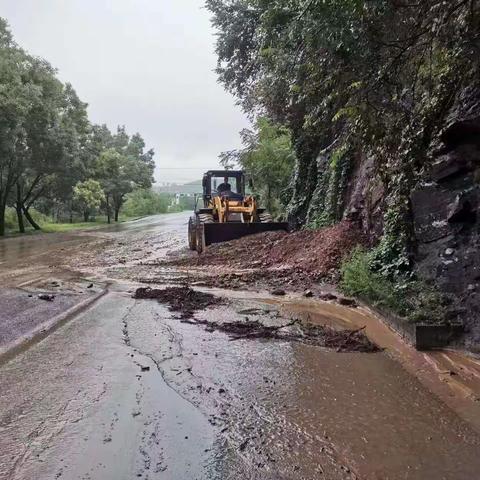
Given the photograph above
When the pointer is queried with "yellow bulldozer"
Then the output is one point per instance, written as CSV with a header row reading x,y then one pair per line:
x,y
225,211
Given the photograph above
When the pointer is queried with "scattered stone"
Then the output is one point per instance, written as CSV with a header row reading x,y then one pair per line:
x,y
348,302
328,296
145,369
90,285
48,297
243,445
308,294
449,252
279,292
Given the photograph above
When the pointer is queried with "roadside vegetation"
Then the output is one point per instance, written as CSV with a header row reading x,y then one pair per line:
x,y
55,166
411,299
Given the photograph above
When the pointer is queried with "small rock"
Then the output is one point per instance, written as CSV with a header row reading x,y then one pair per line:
x,y
278,292
221,390
90,285
348,302
471,288
46,296
308,294
145,369
328,296
449,252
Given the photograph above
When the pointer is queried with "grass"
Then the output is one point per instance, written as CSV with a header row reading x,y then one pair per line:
x,y
68,227
47,227
411,299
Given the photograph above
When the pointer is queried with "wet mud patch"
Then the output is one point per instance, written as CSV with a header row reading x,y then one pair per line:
x,y
184,299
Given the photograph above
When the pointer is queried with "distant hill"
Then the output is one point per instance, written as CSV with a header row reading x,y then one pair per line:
x,y
186,188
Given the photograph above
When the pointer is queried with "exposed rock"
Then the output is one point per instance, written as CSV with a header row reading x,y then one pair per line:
x,y
445,206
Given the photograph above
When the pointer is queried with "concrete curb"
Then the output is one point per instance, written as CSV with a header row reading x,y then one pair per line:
x,y
9,351
421,336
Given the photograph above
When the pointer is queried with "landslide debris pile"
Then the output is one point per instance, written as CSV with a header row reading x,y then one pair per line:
x,y
179,299
317,253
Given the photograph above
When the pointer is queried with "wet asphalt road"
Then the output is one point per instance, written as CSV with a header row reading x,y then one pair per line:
x,y
124,390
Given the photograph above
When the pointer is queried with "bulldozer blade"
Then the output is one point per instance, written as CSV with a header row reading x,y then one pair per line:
x,y
223,232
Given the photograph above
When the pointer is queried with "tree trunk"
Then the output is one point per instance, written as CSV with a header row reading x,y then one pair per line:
x,y
86,215
21,225
18,208
108,209
30,219
2,219
117,204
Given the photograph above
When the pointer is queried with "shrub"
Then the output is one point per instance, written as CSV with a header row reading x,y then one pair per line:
x,y
411,299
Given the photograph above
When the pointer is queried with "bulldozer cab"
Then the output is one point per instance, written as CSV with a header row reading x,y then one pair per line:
x,y
213,179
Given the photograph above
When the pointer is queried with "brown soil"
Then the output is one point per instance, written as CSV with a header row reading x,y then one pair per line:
x,y
180,299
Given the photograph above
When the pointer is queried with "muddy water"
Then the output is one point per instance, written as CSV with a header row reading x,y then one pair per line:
x,y
453,376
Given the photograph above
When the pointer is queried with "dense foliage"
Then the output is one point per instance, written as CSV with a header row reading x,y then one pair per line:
x,y
51,157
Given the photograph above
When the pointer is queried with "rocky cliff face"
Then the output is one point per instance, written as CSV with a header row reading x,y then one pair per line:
x,y
444,205
446,214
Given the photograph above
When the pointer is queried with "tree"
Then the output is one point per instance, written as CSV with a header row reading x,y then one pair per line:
x,y
15,97
123,168
269,160
89,195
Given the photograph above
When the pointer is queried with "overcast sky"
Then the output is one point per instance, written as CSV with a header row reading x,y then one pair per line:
x,y
147,64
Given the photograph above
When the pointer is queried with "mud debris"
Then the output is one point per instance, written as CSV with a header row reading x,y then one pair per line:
x,y
46,296
295,331
183,299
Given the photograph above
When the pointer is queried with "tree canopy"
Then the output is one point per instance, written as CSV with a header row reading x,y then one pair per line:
x,y
50,153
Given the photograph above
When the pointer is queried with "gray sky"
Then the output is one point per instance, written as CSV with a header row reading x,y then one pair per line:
x,y
147,64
